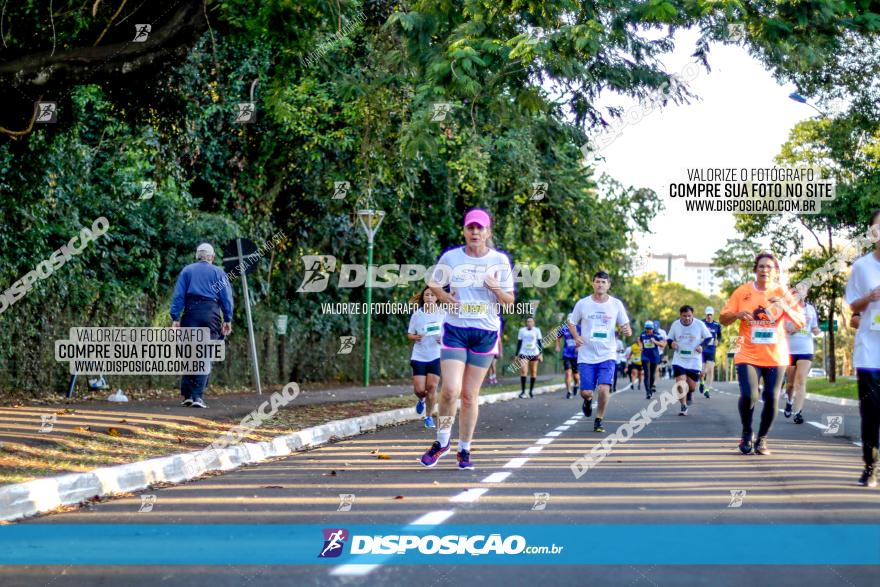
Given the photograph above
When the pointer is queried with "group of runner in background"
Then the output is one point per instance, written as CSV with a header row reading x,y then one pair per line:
x,y
775,339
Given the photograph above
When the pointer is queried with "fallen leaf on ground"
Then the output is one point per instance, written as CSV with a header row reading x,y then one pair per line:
x,y
113,431
383,457
398,497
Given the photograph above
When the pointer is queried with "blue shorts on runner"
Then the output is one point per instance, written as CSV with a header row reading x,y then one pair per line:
x,y
796,358
569,363
709,355
595,374
472,346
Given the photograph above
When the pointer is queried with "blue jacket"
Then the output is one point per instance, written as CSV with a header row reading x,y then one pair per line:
x,y
205,280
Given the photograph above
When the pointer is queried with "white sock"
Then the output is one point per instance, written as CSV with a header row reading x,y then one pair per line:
x,y
462,445
443,437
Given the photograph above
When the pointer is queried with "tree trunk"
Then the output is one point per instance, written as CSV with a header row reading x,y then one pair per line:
x,y
832,360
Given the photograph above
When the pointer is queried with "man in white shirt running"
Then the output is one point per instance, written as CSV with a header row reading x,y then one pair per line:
x,y
687,338
598,317
863,296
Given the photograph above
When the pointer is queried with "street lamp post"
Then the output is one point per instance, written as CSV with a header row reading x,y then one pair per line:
x,y
370,221
798,98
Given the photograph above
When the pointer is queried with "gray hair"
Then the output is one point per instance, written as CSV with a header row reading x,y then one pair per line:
x,y
204,255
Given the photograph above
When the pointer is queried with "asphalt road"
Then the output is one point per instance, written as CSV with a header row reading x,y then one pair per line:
x,y
677,470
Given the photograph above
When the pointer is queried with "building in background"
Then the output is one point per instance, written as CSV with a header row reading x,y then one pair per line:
x,y
697,275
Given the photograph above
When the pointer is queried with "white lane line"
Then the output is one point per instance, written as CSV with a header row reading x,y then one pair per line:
x,y
532,450
469,495
570,422
515,463
553,433
354,570
433,518
857,443
562,428
541,441
496,477
818,425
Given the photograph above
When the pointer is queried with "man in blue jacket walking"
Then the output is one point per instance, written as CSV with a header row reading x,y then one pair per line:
x,y
204,296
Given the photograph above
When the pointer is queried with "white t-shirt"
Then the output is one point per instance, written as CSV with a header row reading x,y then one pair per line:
x,y
598,322
865,277
621,352
430,326
529,340
465,274
688,338
801,342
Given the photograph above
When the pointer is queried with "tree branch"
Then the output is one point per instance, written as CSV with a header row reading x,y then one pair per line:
x,y
95,63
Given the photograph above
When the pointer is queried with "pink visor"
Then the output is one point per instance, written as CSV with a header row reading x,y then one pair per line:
x,y
477,216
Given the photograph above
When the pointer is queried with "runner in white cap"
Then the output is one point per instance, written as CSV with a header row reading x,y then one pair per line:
x,y
800,349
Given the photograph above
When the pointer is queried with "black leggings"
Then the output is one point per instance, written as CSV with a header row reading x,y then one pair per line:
x,y
749,376
869,409
650,370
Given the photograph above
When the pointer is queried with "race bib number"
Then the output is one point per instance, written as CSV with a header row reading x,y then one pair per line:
x,y
473,310
649,343
432,329
763,335
570,343
600,332
803,332
685,352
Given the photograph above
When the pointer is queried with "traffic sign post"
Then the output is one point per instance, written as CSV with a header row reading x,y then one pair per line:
x,y
242,253
370,221
823,325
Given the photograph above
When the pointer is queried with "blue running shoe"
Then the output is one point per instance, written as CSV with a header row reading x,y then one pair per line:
x,y
433,454
420,406
429,422
464,460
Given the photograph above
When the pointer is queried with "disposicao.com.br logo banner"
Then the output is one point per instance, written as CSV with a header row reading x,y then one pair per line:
x,y
523,544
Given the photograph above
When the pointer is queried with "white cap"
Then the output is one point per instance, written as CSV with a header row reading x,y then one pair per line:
x,y
710,310
205,247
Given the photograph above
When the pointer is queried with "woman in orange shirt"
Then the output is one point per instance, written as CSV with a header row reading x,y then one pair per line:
x,y
762,348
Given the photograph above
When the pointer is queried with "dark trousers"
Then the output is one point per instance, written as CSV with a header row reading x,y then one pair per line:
x,y
869,410
200,312
749,377
650,370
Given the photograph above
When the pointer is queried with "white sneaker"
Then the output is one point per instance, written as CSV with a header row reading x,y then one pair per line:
x,y
186,403
199,403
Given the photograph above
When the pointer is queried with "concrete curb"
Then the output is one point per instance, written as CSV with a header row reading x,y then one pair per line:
x,y
22,500
837,401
